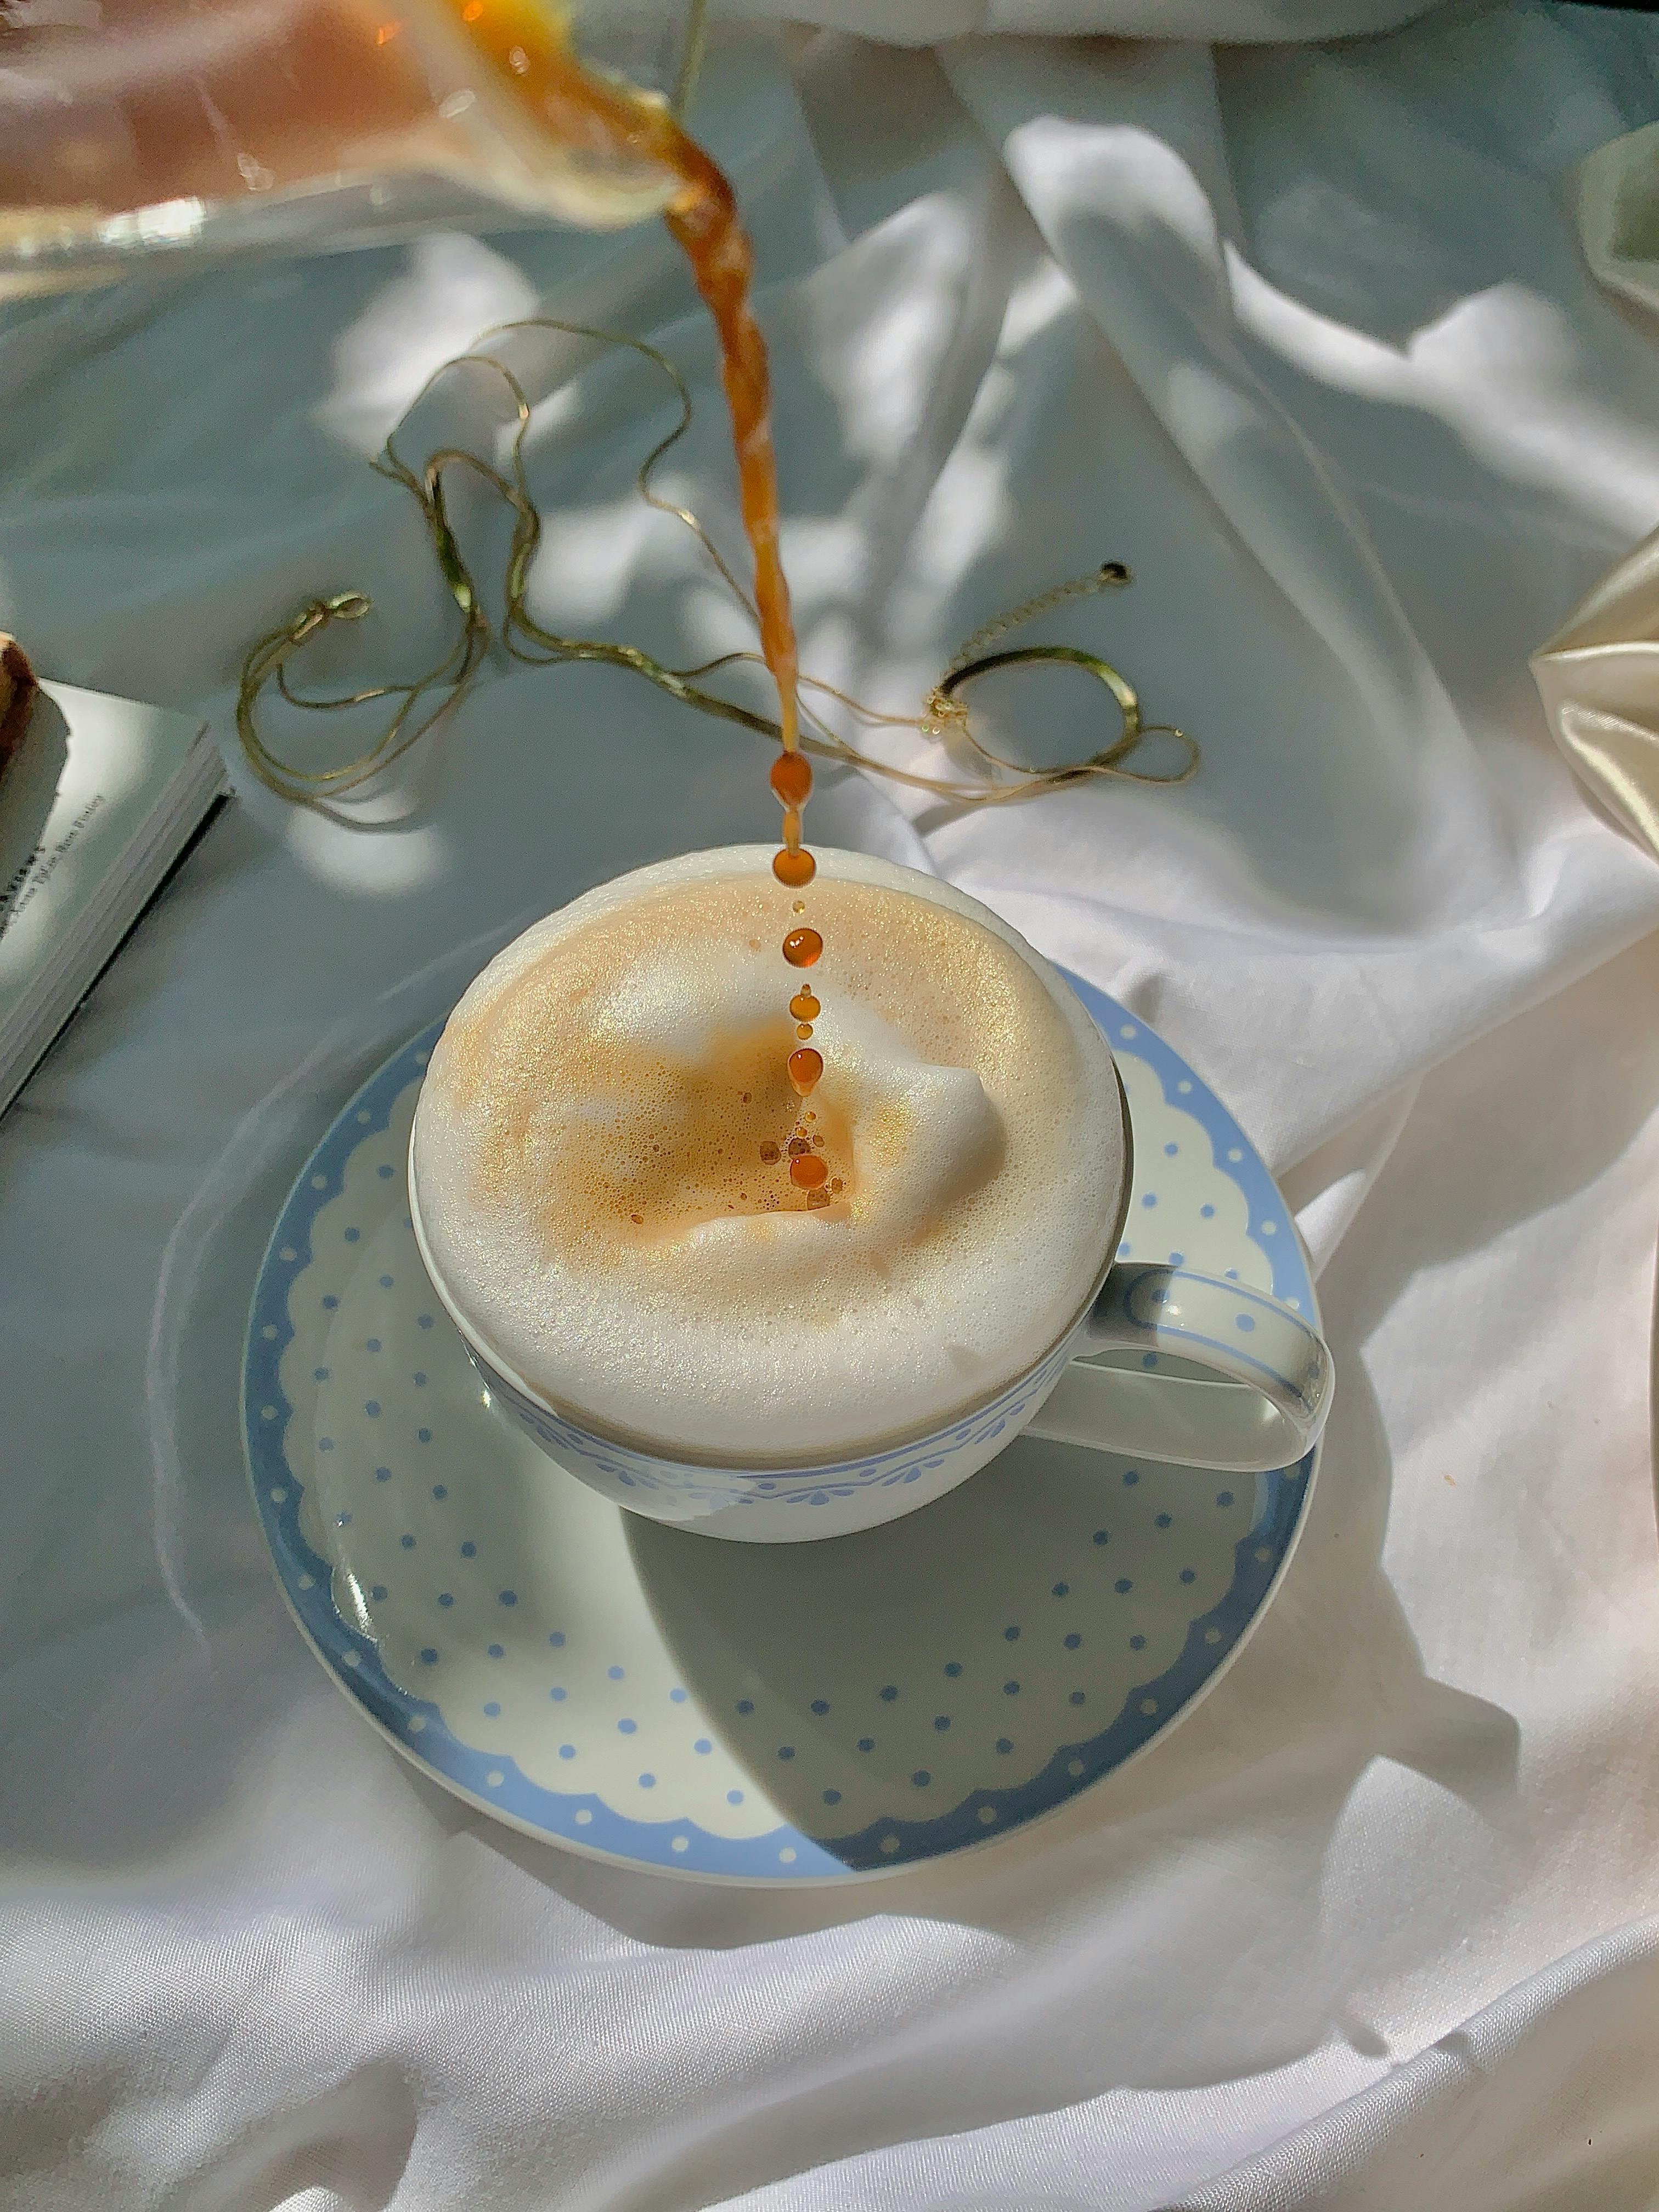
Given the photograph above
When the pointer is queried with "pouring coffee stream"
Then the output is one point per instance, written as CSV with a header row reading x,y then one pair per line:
x,y
524,46
705,221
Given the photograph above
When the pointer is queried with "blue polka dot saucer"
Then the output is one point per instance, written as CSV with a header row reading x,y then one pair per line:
x,y
754,1713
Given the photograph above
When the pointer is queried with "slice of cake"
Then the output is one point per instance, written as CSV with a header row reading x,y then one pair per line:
x,y
18,689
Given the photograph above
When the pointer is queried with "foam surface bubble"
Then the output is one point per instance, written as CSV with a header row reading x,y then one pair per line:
x,y
601,1156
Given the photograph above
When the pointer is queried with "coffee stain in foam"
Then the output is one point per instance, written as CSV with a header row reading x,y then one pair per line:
x,y
667,1141
671,1144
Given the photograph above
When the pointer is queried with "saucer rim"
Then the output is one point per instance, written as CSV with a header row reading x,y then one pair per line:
x,y
1119,1027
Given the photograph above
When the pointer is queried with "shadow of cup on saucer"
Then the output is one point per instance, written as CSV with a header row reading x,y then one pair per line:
x,y
924,1685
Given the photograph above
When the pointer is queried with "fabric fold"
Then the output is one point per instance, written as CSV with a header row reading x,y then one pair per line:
x,y
1598,676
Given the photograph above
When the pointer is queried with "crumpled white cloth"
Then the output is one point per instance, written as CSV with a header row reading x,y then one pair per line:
x,y
1303,334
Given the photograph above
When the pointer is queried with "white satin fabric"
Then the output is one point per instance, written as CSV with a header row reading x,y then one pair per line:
x,y
1305,335
1598,676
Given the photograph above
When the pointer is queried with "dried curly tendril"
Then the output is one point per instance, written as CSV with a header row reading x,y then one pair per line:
x,y
417,705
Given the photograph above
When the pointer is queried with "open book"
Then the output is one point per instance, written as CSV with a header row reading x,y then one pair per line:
x,y
99,800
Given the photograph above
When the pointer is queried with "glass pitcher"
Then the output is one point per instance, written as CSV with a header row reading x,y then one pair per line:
x,y
148,132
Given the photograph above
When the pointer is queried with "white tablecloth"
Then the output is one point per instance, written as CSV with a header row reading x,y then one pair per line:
x,y
1301,333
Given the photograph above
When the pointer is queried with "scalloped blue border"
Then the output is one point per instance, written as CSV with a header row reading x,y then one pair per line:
x,y
498,1784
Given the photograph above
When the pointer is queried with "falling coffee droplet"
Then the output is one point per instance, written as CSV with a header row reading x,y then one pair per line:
x,y
793,865
805,1067
792,779
795,869
808,1171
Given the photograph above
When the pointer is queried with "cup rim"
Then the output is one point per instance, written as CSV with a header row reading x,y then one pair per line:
x,y
743,1462
752,1463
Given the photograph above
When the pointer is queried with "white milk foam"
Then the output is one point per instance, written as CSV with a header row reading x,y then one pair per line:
x,y
591,1190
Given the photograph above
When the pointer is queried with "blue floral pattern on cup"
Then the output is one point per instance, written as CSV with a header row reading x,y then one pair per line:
x,y
623,1475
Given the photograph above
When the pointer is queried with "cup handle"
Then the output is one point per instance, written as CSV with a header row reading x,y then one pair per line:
x,y
1264,1408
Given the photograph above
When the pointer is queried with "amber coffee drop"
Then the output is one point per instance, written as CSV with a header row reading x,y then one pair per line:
x,y
796,870
805,1069
792,778
627,1198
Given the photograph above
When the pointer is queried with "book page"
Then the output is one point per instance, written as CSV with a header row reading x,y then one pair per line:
x,y
93,771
